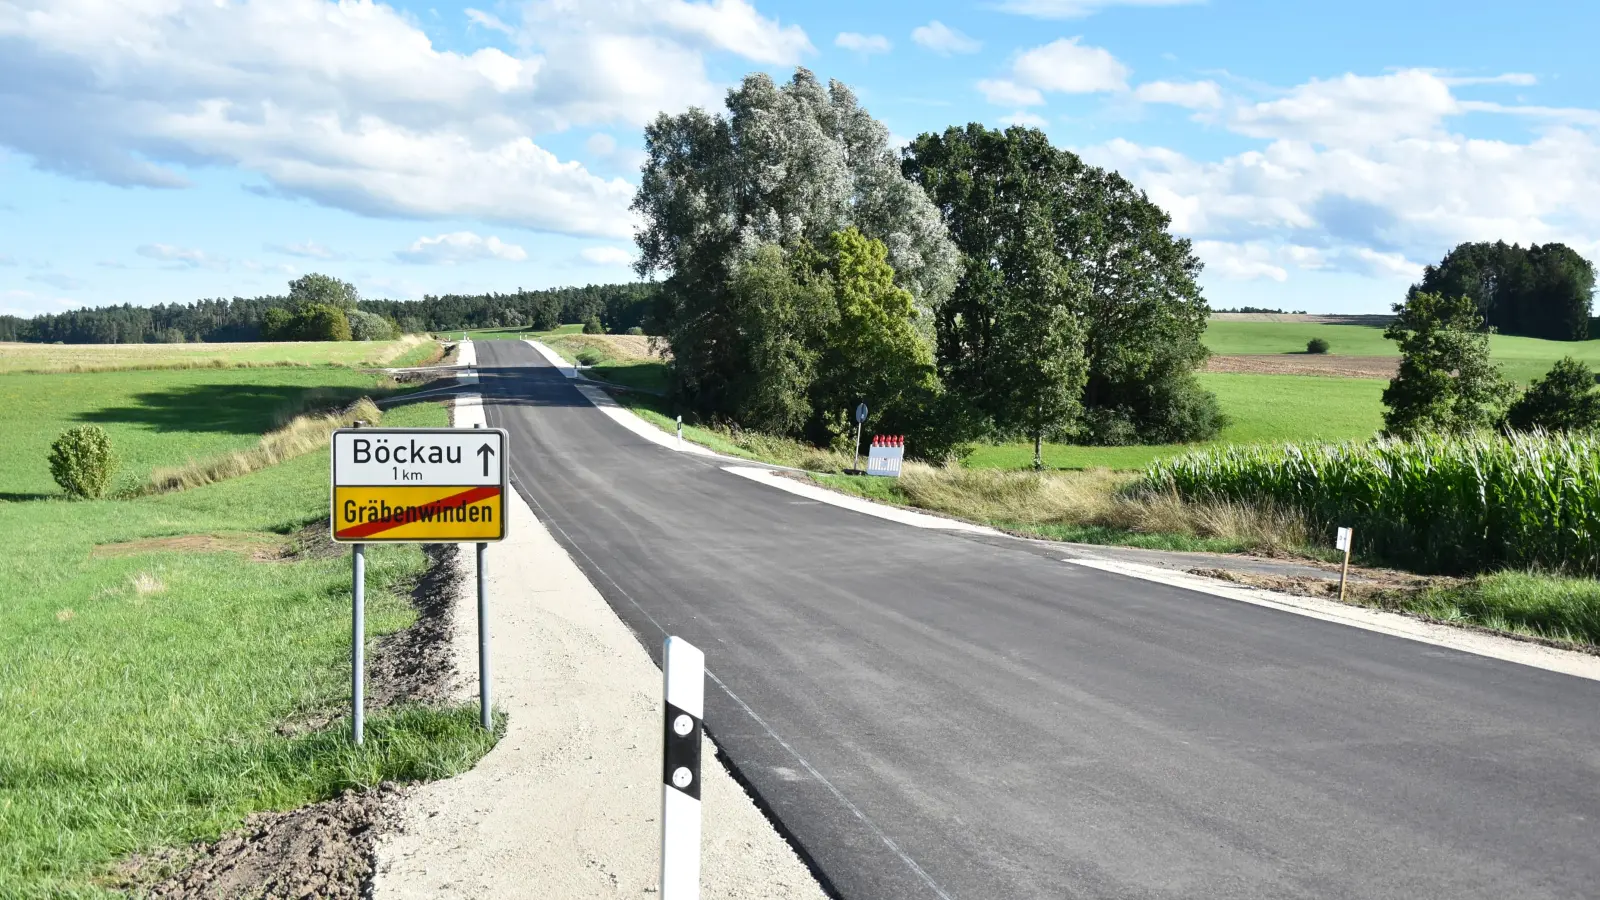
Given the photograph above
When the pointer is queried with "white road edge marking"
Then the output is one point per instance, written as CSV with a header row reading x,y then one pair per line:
x,y
1538,656
857,504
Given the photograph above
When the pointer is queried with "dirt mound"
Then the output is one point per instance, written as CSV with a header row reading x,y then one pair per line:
x,y
323,850
1307,364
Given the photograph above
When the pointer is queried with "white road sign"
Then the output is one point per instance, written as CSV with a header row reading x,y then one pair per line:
x,y
369,457
1342,540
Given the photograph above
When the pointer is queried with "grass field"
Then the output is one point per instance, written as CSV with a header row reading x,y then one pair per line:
x,y
1522,358
156,417
1264,408
143,690
97,357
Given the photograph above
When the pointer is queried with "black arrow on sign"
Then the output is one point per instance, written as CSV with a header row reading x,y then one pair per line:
x,y
486,451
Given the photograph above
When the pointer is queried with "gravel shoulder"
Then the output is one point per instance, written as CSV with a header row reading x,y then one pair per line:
x,y
567,805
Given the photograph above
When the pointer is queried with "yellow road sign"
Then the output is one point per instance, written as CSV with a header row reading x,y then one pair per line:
x,y
419,485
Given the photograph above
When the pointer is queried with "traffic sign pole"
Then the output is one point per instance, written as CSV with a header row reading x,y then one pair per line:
x,y
484,717
861,416
358,650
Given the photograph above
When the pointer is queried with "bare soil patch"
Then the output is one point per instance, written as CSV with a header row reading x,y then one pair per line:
x,y
1365,586
323,850
1307,364
257,545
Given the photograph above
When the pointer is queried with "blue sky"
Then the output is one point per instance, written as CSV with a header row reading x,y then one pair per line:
x,y
1317,153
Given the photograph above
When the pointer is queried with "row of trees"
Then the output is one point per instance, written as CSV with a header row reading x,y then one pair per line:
x,y
1448,383
982,283
1541,291
617,306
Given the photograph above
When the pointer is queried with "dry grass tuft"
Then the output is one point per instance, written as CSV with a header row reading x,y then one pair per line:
x,y
1095,498
65,615
300,434
401,347
144,584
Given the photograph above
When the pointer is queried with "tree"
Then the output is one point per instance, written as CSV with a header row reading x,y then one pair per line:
x,y
1446,381
1565,399
785,165
277,324
869,348
781,311
1128,284
324,289
1542,291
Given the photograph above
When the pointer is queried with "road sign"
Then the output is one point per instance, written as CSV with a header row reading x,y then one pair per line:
x,y
419,485
861,413
1342,539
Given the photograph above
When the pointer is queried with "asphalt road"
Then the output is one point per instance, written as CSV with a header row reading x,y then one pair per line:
x,y
932,714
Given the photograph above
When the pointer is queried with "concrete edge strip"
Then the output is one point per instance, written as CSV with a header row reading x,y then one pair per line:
x,y
553,358
857,504
466,355
1566,662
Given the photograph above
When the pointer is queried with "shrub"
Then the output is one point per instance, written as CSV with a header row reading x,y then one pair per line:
x,y
82,462
593,326
636,330
1465,504
589,356
365,326
1563,400
1316,345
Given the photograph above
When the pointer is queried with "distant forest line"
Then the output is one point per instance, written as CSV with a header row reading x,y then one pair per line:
x,y
618,307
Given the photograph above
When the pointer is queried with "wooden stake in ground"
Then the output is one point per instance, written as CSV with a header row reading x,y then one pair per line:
x,y
1343,542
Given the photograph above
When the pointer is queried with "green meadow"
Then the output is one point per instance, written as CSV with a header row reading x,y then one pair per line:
x,y
153,650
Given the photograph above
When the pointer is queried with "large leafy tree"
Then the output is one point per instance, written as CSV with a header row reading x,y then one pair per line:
x,y
1542,291
787,165
1036,225
1446,380
324,289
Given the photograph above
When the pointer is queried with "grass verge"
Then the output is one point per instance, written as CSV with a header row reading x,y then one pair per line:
x,y
144,691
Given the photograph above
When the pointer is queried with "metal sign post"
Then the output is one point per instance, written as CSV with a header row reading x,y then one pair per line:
x,y
861,416
683,669
1342,541
417,486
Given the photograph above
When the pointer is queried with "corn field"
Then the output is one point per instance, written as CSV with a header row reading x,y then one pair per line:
x,y
1436,504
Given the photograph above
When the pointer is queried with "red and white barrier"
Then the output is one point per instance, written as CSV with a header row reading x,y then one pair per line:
x,y
887,454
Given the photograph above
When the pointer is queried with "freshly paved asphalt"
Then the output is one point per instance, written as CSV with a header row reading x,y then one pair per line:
x,y
993,723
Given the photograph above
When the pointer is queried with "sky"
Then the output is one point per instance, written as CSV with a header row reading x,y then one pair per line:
x,y
1317,153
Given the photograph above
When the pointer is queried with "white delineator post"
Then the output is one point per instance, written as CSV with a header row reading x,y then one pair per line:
x,y
683,669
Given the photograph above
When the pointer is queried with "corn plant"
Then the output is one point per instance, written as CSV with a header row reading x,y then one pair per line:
x,y
1435,504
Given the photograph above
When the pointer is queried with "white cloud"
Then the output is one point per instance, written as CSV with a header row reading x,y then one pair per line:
x,y
459,247
1023,117
601,144
351,104
615,257
862,43
1068,67
1353,111
731,25
1003,92
1518,79
942,39
1076,9
305,249
1191,95
184,257
57,280
489,21
1365,174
